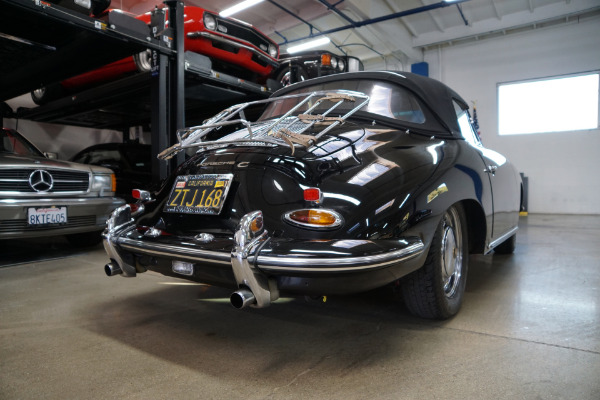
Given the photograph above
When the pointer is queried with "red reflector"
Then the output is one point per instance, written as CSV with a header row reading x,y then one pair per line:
x,y
312,194
135,193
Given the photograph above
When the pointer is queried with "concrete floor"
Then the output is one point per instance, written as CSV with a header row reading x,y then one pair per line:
x,y
529,329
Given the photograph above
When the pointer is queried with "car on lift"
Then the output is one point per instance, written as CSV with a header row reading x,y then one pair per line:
x,y
42,197
346,183
233,46
305,65
131,163
91,8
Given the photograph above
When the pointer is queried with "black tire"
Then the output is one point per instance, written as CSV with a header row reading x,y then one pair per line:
x,y
46,94
508,246
86,239
435,291
284,76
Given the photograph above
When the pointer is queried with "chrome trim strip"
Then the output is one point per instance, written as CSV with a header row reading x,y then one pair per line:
x,y
172,251
268,263
503,237
217,38
43,200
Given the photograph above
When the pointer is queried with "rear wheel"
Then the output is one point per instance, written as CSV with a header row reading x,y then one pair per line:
x,y
436,290
86,239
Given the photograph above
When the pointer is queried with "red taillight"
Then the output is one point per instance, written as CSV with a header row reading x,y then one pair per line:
x,y
142,195
312,194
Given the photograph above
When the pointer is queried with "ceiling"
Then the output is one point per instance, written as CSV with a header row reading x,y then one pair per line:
x,y
399,39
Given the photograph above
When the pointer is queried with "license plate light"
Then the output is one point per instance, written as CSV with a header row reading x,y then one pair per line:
x,y
183,268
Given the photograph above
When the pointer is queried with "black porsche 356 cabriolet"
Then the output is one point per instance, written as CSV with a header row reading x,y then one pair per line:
x,y
344,184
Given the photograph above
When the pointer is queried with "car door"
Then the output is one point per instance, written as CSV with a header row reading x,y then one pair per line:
x,y
502,178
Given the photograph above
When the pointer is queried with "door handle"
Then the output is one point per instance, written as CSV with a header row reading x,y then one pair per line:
x,y
491,169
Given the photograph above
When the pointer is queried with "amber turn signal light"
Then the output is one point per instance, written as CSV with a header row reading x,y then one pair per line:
x,y
326,59
257,224
314,218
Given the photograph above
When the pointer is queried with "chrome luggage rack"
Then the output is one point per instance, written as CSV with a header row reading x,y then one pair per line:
x,y
286,130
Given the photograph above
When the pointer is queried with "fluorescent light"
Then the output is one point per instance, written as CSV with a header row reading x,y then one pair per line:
x,y
308,45
239,7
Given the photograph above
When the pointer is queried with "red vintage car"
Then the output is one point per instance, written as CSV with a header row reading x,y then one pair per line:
x,y
235,47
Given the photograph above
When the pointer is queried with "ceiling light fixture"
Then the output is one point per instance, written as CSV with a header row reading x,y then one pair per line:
x,y
308,45
239,7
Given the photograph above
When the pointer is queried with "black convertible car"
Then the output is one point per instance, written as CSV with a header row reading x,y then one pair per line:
x,y
346,183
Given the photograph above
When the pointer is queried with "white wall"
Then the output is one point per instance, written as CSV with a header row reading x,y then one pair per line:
x,y
563,168
66,141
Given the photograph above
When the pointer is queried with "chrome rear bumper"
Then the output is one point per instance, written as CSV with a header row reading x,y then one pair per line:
x,y
255,258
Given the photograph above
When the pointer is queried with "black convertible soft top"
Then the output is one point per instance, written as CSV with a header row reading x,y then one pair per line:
x,y
436,95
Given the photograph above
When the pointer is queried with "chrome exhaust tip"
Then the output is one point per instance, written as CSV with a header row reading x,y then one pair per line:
x,y
242,298
112,269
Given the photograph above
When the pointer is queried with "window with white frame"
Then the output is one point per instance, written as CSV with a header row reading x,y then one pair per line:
x,y
558,104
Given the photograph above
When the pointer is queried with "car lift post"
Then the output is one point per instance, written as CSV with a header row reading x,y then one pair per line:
x,y
168,91
176,76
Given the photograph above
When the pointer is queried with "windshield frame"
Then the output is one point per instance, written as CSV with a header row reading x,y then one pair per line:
x,y
23,143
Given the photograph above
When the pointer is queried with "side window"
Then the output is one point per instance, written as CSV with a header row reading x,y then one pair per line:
x,y
82,158
464,123
104,156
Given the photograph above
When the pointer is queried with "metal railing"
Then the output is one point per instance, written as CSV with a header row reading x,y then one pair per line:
x,y
288,129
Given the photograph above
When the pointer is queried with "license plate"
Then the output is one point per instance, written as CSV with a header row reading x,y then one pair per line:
x,y
46,215
199,194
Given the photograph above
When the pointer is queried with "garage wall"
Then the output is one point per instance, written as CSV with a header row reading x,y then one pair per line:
x,y
66,141
563,168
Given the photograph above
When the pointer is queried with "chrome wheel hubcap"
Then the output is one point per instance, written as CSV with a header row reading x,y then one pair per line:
x,y
451,253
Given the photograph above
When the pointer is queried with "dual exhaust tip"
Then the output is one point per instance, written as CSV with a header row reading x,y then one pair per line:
x,y
239,299
242,298
112,269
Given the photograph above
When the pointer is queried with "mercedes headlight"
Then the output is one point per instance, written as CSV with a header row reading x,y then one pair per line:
x,y
341,65
210,22
104,183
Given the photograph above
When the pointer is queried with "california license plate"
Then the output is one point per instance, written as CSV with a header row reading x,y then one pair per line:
x,y
46,215
199,194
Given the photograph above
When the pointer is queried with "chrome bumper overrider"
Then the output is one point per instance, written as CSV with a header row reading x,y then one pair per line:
x,y
251,262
